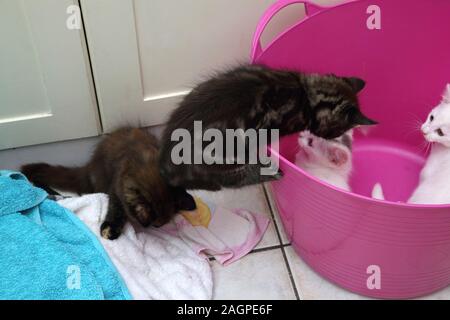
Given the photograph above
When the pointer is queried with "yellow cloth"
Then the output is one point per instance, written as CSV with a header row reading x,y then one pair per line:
x,y
199,217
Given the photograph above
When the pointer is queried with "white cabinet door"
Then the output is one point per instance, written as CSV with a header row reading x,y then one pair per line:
x,y
146,54
45,83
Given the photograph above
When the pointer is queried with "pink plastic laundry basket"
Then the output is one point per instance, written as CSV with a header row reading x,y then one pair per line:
x,y
347,237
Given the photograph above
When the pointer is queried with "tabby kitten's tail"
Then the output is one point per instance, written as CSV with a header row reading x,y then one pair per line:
x,y
46,176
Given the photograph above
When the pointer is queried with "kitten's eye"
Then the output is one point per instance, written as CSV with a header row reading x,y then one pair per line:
x,y
440,132
310,142
431,118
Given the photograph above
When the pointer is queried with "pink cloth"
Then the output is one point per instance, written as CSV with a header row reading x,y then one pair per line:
x,y
230,234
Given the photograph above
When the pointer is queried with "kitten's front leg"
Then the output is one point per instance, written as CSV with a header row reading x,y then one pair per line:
x,y
277,176
255,175
115,219
248,175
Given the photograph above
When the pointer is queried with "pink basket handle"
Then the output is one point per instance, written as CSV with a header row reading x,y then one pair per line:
x,y
310,8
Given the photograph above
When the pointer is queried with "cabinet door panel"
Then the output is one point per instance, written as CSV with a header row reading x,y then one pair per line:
x,y
45,82
147,54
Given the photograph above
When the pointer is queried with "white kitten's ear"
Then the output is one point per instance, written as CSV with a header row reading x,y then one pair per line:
x,y
337,155
447,93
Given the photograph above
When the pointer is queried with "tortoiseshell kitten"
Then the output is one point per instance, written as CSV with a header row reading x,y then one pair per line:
x,y
124,166
257,97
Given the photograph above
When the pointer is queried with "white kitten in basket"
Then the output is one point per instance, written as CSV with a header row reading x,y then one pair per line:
x,y
328,160
434,184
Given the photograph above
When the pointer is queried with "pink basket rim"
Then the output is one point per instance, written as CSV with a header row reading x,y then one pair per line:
x,y
355,195
305,19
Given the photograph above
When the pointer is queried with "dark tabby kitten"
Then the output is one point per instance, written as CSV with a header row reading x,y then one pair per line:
x,y
124,166
260,98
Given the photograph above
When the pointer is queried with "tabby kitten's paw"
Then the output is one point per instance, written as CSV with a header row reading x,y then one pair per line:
x,y
274,177
109,231
279,175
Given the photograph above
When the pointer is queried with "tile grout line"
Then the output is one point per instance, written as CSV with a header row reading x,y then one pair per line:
x,y
283,251
211,258
269,248
272,215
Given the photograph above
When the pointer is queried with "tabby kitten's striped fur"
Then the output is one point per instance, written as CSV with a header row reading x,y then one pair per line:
x,y
261,98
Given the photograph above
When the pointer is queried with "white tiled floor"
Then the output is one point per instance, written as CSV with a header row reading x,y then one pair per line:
x,y
276,217
260,275
310,285
263,274
273,270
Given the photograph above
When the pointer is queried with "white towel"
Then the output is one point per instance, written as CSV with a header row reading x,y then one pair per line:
x,y
153,263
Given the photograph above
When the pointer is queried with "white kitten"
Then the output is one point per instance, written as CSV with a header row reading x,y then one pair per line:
x,y
434,185
328,160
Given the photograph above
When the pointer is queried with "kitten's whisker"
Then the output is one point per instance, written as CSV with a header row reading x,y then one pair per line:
x,y
411,127
415,116
429,147
415,123
423,146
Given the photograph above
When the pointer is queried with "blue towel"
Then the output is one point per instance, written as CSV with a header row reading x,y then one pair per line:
x,y
46,252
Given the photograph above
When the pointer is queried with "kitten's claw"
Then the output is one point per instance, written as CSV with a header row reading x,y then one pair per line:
x,y
279,174
109,232
274,177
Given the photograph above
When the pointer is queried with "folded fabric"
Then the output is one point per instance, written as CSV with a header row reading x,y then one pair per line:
x,y
225,234
46,252
154,264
